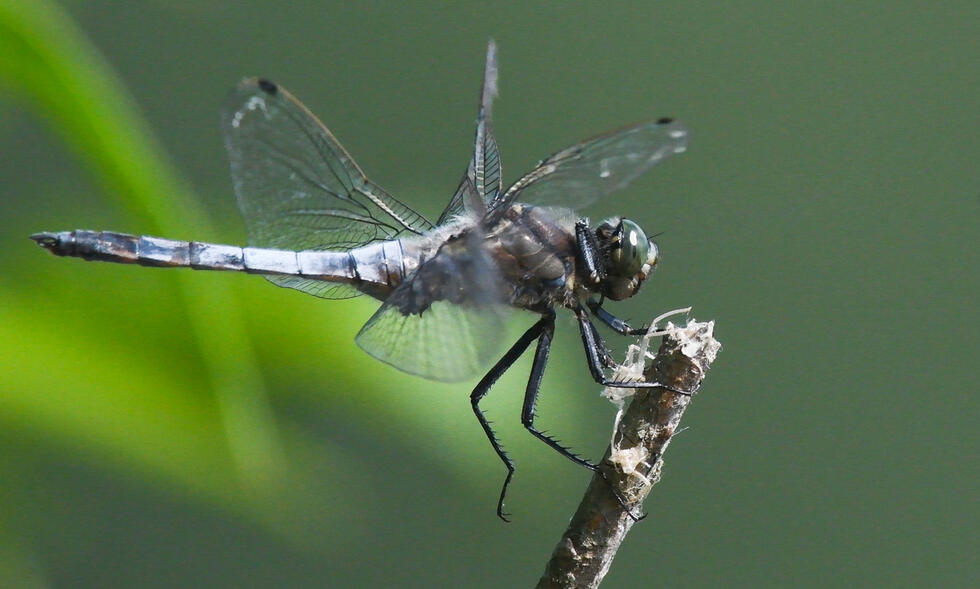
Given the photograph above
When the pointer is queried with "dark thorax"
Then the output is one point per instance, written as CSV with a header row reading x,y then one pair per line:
x,y
526,259
534,250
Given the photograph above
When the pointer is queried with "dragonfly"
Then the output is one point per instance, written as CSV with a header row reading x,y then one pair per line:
x,y
317,224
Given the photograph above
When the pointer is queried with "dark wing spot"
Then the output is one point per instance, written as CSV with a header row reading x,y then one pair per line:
x,y
268,87
661,121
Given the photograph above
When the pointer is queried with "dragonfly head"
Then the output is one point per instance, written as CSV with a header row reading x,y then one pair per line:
x,y
629,255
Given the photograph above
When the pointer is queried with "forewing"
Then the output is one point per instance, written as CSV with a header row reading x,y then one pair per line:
x,y
581,174
481,182
298,188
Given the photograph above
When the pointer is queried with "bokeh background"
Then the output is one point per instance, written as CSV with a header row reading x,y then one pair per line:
x,y
181,429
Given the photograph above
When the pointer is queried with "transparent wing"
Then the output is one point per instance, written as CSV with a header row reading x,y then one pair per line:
x,y
481,182
298,188
447,342
466,191
581,174
445,321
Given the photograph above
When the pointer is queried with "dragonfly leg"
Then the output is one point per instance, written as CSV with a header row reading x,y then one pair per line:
x,y
483,387
594,352
588,250
531,395
605,356
615,323
527,415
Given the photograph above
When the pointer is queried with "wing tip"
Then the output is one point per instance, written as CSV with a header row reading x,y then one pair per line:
x,y
253,83
267,86
490,86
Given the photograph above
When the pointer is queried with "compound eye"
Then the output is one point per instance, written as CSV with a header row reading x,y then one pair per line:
x,y
633,251
654,255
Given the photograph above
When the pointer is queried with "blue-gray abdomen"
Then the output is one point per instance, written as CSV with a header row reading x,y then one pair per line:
x,y
375,269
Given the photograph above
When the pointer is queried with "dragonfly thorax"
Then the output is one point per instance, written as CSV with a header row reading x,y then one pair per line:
x,y
628,256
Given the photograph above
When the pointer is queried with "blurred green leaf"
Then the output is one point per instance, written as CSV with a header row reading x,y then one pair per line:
x,y
221,450
47,63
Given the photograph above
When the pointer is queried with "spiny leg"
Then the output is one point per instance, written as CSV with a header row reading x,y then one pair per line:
x,y
595,351
588,252
483,387
531,394
527,415
605,356
615,323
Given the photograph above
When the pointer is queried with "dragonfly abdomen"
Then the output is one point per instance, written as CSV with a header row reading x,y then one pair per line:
x,y
122,248
375,268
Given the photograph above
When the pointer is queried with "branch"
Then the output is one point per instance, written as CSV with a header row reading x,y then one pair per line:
x,y
633,463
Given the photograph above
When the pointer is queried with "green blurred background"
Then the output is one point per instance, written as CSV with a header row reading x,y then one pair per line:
x,y
180,429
